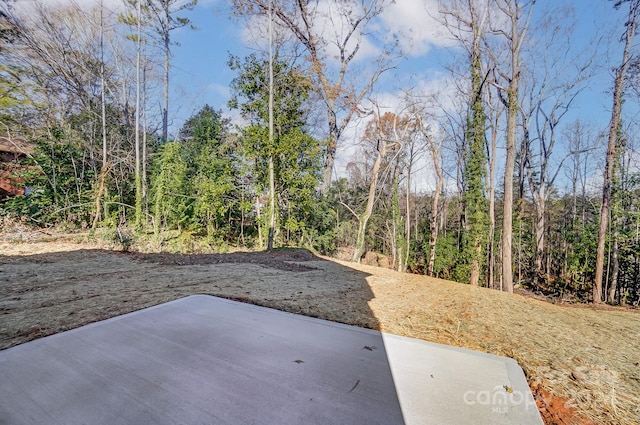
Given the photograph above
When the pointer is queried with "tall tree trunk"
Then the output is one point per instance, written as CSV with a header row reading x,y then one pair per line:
x,y
272,205
515,40
496,113
398,231
272,185
363,219
492,221
138,180
614,126
433,225
407,219
540,208
332,146
507,218
475,230
103,171
165,105
615,269
433,231
145,199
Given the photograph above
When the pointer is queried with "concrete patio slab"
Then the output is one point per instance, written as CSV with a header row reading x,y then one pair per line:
x,y
206,360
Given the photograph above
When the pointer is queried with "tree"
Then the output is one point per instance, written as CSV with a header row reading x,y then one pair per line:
x,y
518,14
12,94
379,134
435,143
474,238
103,115
624,248
581,141
612,142
163,14
389,149
495,110
212,169
468,24
294,153
171,205
557,75
327,32
71,74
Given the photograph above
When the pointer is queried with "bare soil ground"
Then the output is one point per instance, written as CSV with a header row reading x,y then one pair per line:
x,y
583,364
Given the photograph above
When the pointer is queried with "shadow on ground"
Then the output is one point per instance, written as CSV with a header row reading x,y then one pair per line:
x,y
43,294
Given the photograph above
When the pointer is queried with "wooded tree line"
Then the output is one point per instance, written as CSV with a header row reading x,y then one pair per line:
x,y
494,182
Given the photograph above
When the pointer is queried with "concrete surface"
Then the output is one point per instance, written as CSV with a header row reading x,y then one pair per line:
x,y
206,360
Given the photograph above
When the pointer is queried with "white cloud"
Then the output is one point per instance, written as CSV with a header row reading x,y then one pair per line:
x,y
334,22
330,27
437,92
414,23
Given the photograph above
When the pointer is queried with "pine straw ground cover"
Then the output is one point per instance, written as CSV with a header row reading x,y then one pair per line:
x,y
588,357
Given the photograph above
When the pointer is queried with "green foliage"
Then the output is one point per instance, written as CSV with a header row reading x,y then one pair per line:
x,y
194,182
447,256
212,170
583,241
171,206
215,188
250,92
60,183
296,155
475,232
13,97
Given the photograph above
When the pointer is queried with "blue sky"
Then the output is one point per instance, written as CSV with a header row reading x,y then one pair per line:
x,y
200,74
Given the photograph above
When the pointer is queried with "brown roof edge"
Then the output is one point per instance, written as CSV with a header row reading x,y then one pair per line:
x,y
16,145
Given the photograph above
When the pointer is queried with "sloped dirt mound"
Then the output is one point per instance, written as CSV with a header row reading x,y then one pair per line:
x,y
288,259
556,410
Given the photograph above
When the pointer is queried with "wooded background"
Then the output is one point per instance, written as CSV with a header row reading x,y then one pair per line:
x,y
489,181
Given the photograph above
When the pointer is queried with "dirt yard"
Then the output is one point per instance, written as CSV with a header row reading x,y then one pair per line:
x,y
582,363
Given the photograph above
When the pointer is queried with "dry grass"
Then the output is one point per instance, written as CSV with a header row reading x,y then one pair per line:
x,y
590,357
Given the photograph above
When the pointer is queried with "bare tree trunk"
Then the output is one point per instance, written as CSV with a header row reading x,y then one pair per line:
x,y
363,219
407,216
634,6
433,230
433,225
615,269
330,156
103,171
516,39
272,205
540,201
398,244
259,225
165,95
492,220
138,180
496,111
272,185
144,138
407,195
